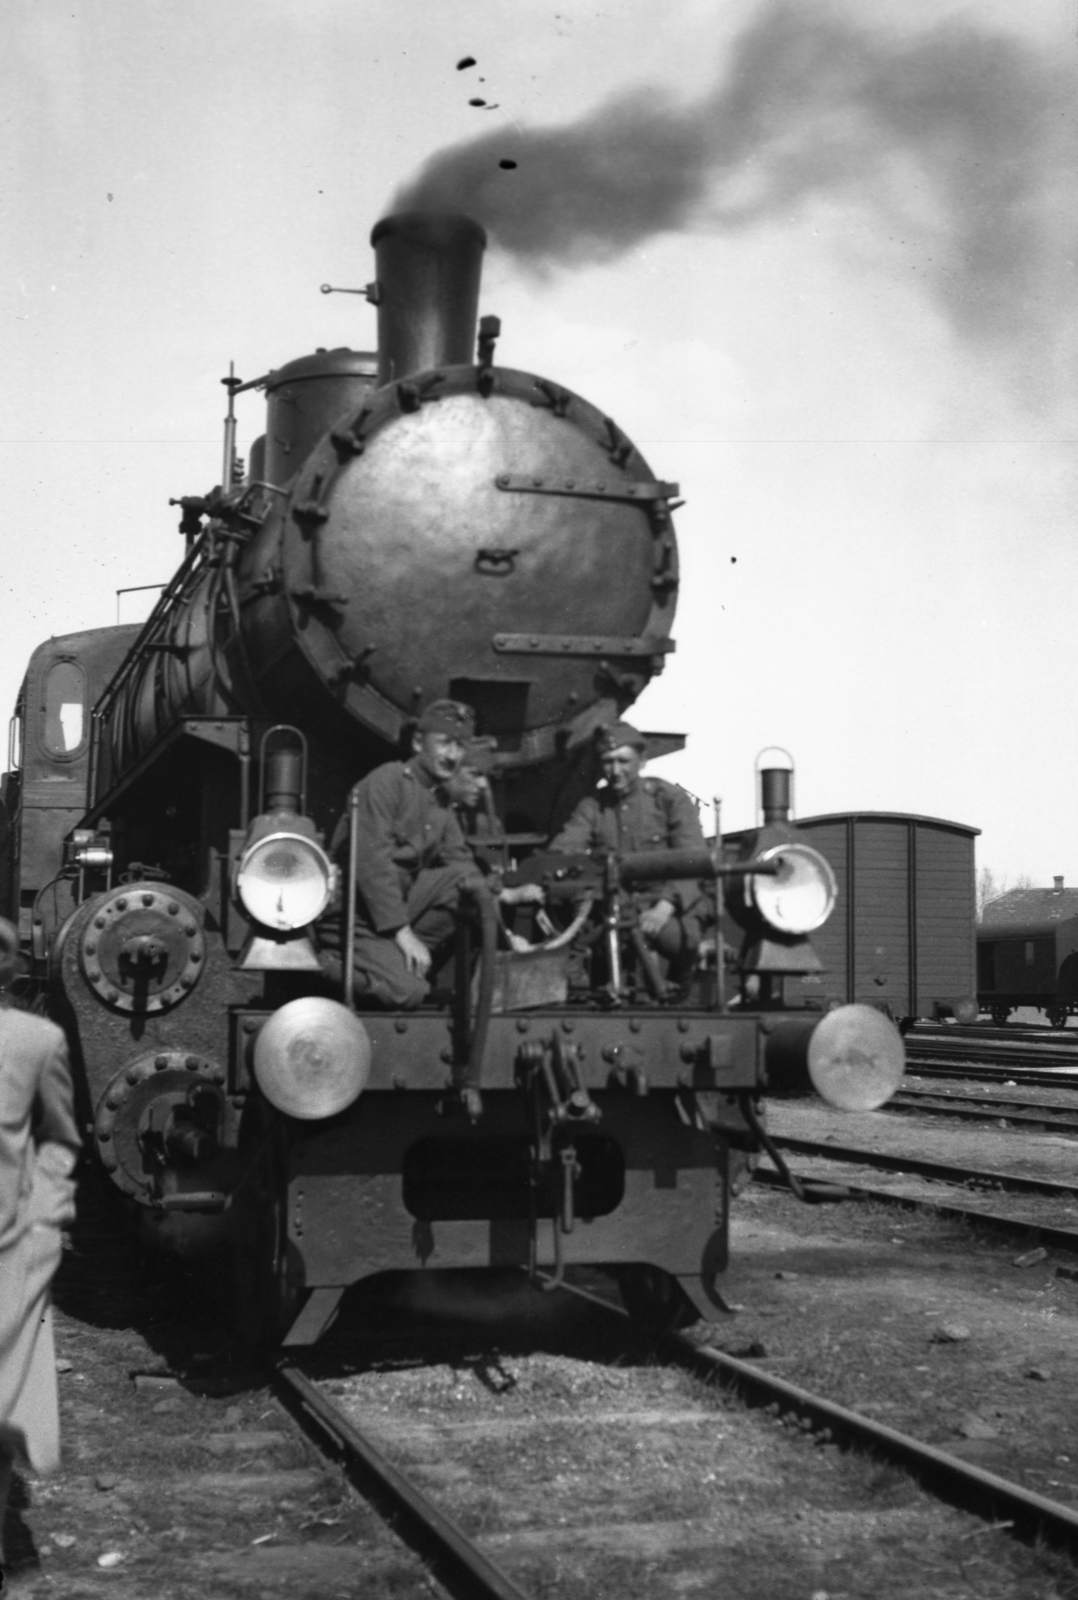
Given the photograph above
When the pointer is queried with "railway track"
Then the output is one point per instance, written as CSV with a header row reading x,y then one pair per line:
x,y
455,1559
1031,1516
1031,1072
458,1556
1054,1116
268,1518
468,1571
1037,1055
1002,1503
843,1188
941,1171
1011,1032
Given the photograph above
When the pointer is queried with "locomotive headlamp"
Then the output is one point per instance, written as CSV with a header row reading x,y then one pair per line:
x,y
799,896
284,880
312,1058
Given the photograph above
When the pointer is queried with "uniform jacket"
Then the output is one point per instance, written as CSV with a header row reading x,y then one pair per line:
x,y
654,815
405,824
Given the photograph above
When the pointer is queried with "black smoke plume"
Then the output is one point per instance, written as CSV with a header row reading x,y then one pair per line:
x,y
956,139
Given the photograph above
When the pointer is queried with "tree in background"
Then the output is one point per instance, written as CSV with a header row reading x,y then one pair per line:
x,y
991,885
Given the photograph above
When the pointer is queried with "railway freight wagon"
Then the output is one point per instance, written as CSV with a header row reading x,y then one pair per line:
x,y
902,936
415,524
1031,963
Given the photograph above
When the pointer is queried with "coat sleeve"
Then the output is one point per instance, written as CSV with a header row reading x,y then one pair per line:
x,y
56,1137
578,833
683,822
54,1121
683,832
379,804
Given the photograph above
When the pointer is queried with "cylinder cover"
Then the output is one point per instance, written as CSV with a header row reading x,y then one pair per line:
x,y
138,1103
144,948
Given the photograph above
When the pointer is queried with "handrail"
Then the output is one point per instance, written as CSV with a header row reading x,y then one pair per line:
x,y
103,706
348,975
488,925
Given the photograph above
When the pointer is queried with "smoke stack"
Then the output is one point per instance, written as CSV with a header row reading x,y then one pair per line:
x,y
1057,885
428,267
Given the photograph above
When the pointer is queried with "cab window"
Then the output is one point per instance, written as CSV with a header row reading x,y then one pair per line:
x,y
65,709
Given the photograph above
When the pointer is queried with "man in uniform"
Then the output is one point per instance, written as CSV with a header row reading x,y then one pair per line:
x,y
628,813
411,862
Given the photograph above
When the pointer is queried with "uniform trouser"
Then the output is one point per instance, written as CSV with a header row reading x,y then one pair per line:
x,y
379,964
678,937
677,941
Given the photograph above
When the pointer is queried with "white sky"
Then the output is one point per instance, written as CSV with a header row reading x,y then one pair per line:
x,y
179,176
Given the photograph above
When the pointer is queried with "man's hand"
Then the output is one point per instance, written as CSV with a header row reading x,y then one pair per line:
x,y
416,955
522,893
655,918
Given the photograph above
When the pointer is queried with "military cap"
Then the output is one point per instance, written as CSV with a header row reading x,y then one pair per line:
x,y
617,734
479,754
447,716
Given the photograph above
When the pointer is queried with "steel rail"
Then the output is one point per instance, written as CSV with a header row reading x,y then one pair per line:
x,y
1063,1051
945,1171
463,1568
946,1476
993,1032
1008,1038
1051,1051
992,1221
985,1097
1002,1042
1020,1115
1033,1077
1042,1057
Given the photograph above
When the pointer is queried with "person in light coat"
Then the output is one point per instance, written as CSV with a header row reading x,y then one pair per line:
x,y
39,1143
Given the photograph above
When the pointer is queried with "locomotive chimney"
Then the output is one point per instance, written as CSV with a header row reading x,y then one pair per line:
x,y
284,780
428,266
775,793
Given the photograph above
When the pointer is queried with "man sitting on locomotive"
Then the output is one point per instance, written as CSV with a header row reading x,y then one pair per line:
x,y
628,813
412,860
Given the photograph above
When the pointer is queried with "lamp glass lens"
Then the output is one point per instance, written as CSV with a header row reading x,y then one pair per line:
x,y
801,896
284,881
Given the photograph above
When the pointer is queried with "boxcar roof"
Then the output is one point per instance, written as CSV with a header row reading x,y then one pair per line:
x,y
888,816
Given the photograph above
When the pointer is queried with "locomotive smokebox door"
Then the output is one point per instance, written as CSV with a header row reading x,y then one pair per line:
x,y
544,572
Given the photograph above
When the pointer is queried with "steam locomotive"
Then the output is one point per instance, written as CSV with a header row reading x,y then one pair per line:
x,y
413,525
